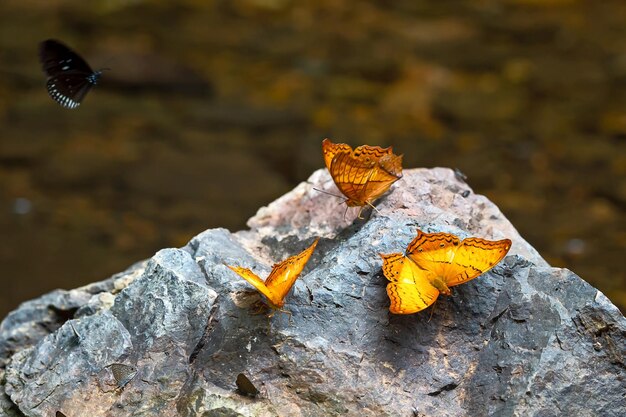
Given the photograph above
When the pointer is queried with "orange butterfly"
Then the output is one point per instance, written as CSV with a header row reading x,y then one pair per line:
x,y
362,174
433,263
280,280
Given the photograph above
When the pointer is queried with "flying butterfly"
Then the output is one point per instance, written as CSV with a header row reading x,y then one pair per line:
x,y
433,263
69,76
280,280
363,174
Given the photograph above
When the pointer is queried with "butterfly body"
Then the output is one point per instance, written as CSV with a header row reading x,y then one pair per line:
x,y
363,174
279,282
434,262
69,76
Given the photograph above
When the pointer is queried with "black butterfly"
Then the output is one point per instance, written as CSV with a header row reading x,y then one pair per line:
x,y
69,76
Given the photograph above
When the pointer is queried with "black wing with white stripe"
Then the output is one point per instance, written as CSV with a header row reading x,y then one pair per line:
x,y
69,76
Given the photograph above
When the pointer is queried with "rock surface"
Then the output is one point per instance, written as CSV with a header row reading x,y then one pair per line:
x,y
524,339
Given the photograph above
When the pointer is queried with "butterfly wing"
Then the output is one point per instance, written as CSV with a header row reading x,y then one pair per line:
x,y
364,174
253,279
57,58
351,175
123,374
381,178
69,76
329,150
285,273
391,164
69,90
473,257
371,152
409,289
433,252
245,386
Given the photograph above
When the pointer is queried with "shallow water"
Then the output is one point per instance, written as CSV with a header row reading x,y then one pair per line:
x,y
213,109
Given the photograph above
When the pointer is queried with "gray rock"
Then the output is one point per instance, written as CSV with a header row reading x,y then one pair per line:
x,y
523,339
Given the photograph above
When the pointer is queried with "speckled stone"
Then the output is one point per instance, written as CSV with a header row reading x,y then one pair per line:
x,y
523,339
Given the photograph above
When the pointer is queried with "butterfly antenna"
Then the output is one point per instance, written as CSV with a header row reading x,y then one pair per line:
x,y
108,61
334,195
326,192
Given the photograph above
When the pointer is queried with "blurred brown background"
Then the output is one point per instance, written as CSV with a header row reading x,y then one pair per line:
x,y
214,108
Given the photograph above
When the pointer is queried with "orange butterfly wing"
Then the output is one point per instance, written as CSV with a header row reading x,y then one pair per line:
x,y
253,279
352,175
330,149
433,252
285,273
391,164
281,279
455,262
377,182
473,257
370,152
362,175
434,262
409,289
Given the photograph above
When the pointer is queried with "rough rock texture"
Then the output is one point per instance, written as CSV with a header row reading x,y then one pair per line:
x,y
524,339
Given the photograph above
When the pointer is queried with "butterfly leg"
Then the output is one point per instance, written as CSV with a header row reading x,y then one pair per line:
x,y
269,323
346,212
288,313
260,308
373,208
